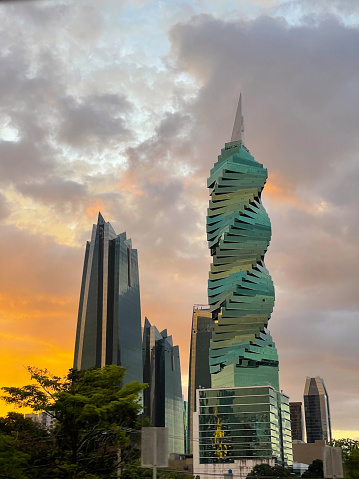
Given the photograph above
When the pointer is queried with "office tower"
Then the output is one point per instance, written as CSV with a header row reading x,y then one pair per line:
x,y
109,317
296,419
316,407
243,416
199,375
163,400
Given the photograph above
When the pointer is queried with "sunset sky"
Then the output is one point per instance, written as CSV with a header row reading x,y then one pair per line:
x,y
122,107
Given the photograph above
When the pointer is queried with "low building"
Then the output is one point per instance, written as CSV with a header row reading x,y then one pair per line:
x,y
238,428
331,456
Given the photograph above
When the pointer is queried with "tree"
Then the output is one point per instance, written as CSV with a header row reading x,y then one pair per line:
x,y
315,469
350,454
23,446
265,470
95,419
12,461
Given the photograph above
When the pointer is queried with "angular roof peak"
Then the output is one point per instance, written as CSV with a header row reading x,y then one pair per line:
x,y
238,127
100,220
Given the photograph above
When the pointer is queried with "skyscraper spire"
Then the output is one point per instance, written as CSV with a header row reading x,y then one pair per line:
x,y
238,127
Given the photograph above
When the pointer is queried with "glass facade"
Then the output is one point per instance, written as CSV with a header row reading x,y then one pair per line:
x,y
109,318
317,413
240,289
163,400
243,423
199,373
296,418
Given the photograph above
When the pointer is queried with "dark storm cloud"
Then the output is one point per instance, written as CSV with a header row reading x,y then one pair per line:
x,y
96,117
22,161
54,190
300,83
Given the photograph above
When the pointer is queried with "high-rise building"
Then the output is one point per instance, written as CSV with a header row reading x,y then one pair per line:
x,y
243,416
316,407
109,317
163,400
296,419
199,374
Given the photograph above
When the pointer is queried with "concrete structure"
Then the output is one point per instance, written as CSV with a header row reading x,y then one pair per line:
x,y
242,419
333,462
109,317
199,374
296,419
317,413
331,456
163,400
43,419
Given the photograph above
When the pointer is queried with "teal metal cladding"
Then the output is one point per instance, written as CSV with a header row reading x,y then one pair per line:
x,y
240,289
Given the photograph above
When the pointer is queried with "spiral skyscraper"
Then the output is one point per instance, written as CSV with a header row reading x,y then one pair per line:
x,y
242,419
240,289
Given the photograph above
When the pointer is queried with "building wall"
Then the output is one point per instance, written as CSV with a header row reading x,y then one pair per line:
x,y
296,418
109,317
240,468
242,424
199,374
240,289
163,399
308,452
331,456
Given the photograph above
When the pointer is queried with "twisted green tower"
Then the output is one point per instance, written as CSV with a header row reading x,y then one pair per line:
x,y
240,289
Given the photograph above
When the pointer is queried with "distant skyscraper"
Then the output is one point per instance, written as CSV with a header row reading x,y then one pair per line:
x,y
243,416
199,374
109,318
163,400
296,418
316,407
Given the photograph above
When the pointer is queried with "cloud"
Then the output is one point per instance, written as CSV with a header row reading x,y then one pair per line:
x,y
54,190
96,118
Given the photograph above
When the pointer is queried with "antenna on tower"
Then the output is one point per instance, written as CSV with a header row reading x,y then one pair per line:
x,y
238,127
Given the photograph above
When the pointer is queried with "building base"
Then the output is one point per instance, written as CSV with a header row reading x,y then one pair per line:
x,y
240,469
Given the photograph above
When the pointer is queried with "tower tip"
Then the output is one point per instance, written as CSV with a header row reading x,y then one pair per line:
x,y
238,127
100,219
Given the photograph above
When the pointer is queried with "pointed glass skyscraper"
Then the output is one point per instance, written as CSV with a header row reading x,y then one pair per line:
x,y
243,416
109,317
162,400
317,413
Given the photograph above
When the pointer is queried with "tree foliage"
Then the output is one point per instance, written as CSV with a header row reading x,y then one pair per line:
x,y
95,419
265,470
315,469
350,453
